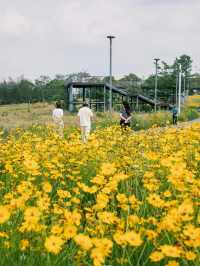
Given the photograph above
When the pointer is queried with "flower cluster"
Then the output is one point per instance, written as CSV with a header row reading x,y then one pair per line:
x,y
193,101
123,198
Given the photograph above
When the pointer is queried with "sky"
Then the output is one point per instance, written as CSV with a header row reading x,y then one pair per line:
x,y
49,37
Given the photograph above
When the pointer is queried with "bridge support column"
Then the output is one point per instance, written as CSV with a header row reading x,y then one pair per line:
x,y
137,104
90,97
104,98
83,94
70,98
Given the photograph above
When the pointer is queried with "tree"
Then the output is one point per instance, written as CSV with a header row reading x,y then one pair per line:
x,y
186,64
55,90
41,85
164,69
131,77
131,82
107,79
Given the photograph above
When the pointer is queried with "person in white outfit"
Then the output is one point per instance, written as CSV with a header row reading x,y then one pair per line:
x,y
85,114
57,116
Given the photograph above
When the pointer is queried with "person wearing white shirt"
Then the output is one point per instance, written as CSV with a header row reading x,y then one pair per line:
x,y
57,116
85,114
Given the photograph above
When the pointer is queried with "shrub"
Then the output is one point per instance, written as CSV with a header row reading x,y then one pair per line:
x,y
189,114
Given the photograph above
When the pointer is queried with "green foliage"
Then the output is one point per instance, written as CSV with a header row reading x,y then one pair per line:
x,y
189,114
131,82
42,90
145,121
45,89
186,64
104,120
130,77
161,119
167,76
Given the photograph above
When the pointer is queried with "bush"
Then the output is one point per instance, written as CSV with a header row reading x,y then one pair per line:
x,y
189,114
145,121
161,119
105,120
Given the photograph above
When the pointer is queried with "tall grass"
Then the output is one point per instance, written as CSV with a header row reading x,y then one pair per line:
x,y
20,116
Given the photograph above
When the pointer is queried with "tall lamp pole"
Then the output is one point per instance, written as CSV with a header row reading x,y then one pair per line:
x,y
176,92
156,83
184,85
179,90
110,37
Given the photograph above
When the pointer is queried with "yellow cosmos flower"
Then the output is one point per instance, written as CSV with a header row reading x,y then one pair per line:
x,y
104,244
151,234
186,210
107,217
119,238
189,255
32,214
101,201
4,214
122,198
69,231
3,234
83,241
75,200
171,251
47,187
57,230
156,201
63,194
167,194
31,166
97,256
108,169
53,244
173,263
24,244
192,235
99,179
133,238
156,256
31,226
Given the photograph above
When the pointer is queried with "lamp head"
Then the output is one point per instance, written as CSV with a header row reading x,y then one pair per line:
x,y
110,37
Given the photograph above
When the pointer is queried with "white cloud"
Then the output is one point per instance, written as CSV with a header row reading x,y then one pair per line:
x,y
49,37
13,23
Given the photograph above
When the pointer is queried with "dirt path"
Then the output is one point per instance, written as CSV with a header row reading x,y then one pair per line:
x,y
189,122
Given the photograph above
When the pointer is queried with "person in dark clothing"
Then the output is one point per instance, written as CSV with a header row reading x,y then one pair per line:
x,y
174,115
125,115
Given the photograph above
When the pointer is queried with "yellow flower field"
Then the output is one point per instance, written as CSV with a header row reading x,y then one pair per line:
x,y
123,198
193,101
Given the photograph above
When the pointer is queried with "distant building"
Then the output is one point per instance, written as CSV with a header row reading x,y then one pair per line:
x,y
96,92
194,84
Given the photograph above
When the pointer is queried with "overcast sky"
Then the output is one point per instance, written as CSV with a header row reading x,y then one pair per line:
x,y
47,37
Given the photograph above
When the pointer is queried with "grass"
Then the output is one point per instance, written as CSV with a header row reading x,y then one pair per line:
x,y
21,116
25,116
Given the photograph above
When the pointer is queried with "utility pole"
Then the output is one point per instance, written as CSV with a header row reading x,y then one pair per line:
x,y
156,83
184,86
110,37
176,93
179,91
188,86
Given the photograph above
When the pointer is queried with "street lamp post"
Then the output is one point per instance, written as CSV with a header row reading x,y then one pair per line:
x,y
179,91
110,37
176,93
184,86
156,83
